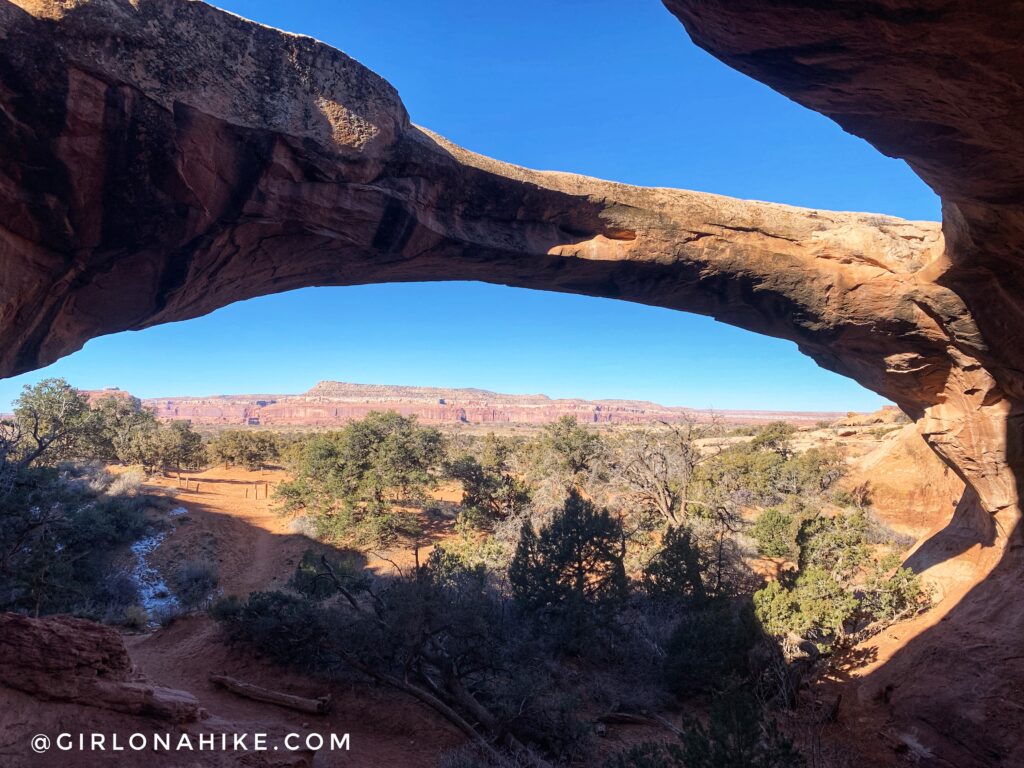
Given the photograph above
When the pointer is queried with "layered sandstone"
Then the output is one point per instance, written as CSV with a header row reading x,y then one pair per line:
x,y
333,403
162,159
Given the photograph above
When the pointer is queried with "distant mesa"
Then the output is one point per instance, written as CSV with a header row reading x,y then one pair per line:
x,y
95,395
333,403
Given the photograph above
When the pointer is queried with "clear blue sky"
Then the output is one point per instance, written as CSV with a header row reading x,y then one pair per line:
x,y
603,87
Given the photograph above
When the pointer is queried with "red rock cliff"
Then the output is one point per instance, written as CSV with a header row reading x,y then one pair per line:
x,y
332,403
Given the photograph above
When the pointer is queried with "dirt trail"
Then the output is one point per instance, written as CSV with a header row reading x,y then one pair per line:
x,y
254,549
226,523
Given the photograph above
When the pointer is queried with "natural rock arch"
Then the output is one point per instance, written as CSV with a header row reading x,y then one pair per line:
x,y
162,158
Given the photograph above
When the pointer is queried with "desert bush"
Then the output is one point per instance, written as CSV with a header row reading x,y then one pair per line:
x,y
228,610
446,630
57,555
193,582
177,446
726,570
765,472
86,477
165,615
124,431
811,473
576,559
491,490
826,595
318,581
491,550
135,617
573,446
351,482
879,532
127,483
775,533
448,633
822,602
677,569
739,734
252,449
837,545
53,423
656,469
857,496
816,606
774,437
567,455
59,530
289,630
776,608
892,593
471,756
384,527
710,647
303,525
116,591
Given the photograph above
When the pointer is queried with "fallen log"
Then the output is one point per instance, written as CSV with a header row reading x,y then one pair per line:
x,y
319,706
630,718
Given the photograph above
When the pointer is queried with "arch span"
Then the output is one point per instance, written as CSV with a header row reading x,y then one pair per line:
x,y
162,158
195,158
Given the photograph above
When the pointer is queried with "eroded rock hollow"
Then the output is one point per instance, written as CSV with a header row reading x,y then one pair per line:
x,y
161,159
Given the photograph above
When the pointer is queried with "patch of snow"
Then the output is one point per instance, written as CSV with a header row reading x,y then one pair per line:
x,y
153,591
916,747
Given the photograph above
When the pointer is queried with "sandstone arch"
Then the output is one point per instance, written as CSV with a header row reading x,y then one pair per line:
x,y
162,158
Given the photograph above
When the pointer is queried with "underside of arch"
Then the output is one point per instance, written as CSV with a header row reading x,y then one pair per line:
x,y
161,158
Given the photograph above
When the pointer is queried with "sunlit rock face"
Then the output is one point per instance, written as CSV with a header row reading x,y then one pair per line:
x,y
161,158
941,85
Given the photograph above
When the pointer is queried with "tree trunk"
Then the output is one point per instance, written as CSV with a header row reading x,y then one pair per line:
x,y
317,706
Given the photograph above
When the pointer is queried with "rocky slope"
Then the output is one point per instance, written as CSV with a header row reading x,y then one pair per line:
x,y
162,159
332,403
79,661
60,675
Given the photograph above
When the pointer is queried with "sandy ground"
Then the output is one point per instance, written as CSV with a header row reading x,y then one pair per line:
x,y
255,549
252,545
